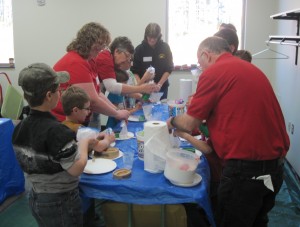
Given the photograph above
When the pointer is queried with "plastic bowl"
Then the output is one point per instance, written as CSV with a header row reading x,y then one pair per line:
x,y
181,166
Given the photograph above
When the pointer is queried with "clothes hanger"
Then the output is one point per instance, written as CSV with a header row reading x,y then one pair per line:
x,y
280,55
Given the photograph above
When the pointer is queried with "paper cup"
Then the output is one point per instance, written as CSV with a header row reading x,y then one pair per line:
x,y
147,109
128,158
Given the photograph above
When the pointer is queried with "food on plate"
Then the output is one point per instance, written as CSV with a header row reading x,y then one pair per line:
x,y
122,173
109,153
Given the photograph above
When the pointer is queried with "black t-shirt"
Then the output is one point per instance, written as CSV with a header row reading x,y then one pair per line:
x,y
40,141
160,57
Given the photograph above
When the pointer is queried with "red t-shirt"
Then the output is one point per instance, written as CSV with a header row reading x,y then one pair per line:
x,y
242,113
105,65
80,72
95,76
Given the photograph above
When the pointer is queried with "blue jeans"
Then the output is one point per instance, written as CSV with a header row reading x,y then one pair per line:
x,y
244,201
56,209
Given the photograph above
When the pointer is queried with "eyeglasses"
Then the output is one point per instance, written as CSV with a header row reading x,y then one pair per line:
x,y
86,108
128,55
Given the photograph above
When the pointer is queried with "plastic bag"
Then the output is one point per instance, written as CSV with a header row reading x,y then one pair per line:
x,y
85,132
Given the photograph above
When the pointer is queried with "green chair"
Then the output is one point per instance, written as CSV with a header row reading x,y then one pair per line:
x,y
13,103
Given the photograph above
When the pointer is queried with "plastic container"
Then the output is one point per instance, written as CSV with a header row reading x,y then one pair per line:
x,y
175,109
140,144
181,166
155,96
147,109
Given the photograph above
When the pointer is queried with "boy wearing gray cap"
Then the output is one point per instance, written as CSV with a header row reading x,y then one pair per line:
x,y
48,152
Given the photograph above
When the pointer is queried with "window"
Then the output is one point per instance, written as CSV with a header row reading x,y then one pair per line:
x,y
6,31
191,21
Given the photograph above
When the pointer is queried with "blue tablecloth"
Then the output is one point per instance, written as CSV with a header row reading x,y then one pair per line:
x,y
11,176
144,187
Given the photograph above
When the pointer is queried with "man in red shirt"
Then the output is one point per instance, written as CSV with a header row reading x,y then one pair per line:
x,y
247,130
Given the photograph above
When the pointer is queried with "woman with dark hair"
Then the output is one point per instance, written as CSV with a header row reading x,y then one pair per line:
x,y
244,54
156,53
231,37
227,26
90,40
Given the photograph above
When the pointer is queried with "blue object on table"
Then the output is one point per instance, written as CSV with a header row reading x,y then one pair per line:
x,y
143,187
11,176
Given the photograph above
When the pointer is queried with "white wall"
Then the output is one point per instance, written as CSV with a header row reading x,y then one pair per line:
x,y
257,30
283,73
288,82
42,34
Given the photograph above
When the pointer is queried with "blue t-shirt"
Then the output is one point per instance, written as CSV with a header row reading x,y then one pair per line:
x,y
116,100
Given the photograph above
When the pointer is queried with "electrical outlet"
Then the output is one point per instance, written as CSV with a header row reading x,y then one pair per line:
x,y
292,129
289,127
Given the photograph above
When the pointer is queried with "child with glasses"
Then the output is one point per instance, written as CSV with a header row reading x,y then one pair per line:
x,y
76,106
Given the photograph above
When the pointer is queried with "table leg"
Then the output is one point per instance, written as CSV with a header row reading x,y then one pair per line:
x,y
162,216
129,215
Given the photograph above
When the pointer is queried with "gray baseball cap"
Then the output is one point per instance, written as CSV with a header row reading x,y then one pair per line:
x,y
38,78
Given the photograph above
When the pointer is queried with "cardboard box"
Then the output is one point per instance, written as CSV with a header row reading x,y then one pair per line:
x,y
116,215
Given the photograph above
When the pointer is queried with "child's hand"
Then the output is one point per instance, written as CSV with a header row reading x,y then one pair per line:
x,y
92,143
189,100
147,76
138,106
110,137
101,135
99,147
148,88
157,88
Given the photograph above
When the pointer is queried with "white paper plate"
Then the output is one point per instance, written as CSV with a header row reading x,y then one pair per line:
x,y
136,118
129,136
112,144
99,166
197,180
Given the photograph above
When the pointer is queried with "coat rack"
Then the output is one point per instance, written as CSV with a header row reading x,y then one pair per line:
x,y
278,54
287,40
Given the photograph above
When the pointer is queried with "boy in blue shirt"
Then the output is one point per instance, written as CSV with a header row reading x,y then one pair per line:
x,y
119,100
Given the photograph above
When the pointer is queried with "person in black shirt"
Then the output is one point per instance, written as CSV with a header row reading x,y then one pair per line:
x,y
153,51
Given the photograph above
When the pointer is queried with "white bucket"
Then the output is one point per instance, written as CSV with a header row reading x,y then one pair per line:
x,y
181,166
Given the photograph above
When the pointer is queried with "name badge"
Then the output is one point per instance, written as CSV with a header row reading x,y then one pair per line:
x,y
147,59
